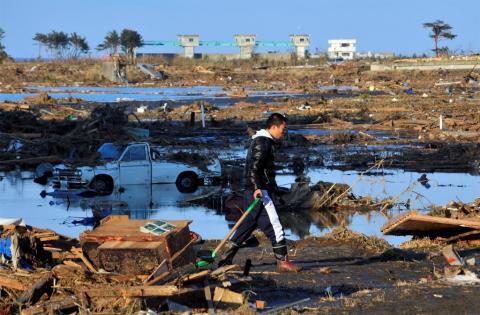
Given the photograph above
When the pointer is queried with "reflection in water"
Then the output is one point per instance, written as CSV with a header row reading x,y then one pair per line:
x,y
20,197
138,201
300,223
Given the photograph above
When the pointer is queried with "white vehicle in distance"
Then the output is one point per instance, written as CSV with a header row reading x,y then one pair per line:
x,y
136,163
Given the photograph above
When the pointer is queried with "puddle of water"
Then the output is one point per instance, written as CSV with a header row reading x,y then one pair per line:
x,y
443,188
338,87
113,94
20,197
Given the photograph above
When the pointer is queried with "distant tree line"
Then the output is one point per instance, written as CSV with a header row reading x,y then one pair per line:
x,y
62,45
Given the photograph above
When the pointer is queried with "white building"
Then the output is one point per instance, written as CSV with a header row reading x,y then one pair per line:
x,y
342,48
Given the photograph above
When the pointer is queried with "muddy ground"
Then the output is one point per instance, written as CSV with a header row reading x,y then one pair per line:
x,y
345,273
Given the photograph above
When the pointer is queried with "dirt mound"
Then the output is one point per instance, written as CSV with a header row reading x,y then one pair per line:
x,y
372,243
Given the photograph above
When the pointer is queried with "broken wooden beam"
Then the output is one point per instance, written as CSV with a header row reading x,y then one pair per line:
x,y
37,290
160,269
78,252
208,297
226,296
139,291
416,224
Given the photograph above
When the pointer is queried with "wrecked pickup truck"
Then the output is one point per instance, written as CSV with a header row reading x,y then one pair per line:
x,y
136,163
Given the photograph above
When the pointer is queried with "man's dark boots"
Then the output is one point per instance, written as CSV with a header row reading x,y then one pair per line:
x,y
281,254
227,256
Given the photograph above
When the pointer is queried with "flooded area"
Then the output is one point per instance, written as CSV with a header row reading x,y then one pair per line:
x,y
152,94
134,162
21,197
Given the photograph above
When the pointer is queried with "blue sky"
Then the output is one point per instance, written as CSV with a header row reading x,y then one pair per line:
x,y
378,25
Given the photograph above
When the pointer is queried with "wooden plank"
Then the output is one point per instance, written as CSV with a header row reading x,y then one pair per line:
x,y
87,263
10,283
72,264
37,290
43,234
466,235
227,296
154,274
222,270
191,277
159,278
49,238
208,297
413,223
138,291
52,249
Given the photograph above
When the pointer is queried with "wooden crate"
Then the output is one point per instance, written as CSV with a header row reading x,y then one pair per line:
x,y
118,245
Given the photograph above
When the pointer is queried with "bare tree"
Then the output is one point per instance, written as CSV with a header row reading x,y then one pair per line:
x,y
440,30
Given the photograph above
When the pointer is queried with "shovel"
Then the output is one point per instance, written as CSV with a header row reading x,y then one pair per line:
x,y
206,260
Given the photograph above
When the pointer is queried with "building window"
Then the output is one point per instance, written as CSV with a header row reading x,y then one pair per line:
x,y
345,45
302,39
190,40
345,54
247,40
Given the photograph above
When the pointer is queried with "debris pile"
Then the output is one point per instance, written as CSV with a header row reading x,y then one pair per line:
x,y
324,195
33,141
360,240
457,210
116,268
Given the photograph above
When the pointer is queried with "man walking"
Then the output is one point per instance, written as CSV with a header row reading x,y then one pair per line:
x,y
260,183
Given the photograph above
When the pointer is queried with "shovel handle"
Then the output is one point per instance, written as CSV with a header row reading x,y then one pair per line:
x,y
235,227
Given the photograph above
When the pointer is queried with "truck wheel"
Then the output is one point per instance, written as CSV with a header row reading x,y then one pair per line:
x,y
103,185
187,182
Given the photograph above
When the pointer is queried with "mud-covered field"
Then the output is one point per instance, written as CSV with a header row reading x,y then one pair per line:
x,y
345,273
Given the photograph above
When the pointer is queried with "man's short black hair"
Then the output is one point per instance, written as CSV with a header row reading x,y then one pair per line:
x,y
275,119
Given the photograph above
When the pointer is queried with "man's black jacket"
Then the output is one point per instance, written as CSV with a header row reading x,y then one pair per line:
x,y
260,166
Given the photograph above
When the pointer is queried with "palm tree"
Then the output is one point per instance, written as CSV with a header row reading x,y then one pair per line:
x,y
440,30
